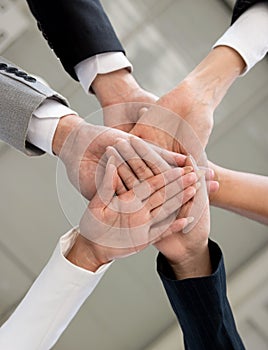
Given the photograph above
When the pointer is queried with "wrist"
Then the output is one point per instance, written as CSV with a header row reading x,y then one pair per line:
x,y
82,255
65,126
212,78
114,87
193,265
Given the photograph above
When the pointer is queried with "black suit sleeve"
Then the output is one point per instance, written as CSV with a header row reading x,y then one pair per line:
x,y
75,29
241,6
202,307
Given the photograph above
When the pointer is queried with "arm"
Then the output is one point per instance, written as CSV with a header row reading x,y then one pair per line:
x,y
241,6
54,298
192,271
245,194
21,95
193,100
201,304
197,96
65,283
97,57
81,24
23,99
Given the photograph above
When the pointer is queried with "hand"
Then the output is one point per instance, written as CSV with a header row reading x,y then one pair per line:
x,y
193,100
187,250
121,89
180,121
187,253
117,226
81,146
89,254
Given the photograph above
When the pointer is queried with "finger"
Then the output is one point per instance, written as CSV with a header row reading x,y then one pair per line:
x,y
153,160
213,186
209,173
106,191
126,178
172,189
180,224
173,204
172,158
191,162
147,188
162,230
135,162
142,111
198,205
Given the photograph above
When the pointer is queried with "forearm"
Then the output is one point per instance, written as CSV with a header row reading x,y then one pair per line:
x,y
83,23
114,87
51,303
201,305
198,265
243,193
66,126
21,96
212,78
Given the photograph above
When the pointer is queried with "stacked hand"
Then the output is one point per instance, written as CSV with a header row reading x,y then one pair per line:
x,y
187,250
124,224
82,146
120,221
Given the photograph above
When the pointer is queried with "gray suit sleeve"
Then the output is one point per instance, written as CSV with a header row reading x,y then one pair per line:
x,y
21,94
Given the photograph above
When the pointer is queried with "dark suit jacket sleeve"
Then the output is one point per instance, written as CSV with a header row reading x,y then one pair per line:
x,y
202,307
75,29
241,6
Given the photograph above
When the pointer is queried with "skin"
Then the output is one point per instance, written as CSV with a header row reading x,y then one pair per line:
x,y
195,100
168,190
243,193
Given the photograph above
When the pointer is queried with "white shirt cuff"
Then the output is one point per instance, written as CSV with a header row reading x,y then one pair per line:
x,y
51,303
44,122
107,62
249,35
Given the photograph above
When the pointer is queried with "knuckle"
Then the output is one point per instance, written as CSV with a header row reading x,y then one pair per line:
x,y
140,169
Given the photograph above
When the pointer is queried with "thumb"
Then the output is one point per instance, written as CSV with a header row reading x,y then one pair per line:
x,y
142,111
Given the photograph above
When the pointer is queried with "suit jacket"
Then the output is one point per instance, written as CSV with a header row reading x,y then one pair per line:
x,y
202,307
241,6
75,30
20,95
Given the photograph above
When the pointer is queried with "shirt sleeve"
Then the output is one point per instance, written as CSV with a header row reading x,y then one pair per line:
x,y
44,122
201,305
107,62
249,35
51,303
45,119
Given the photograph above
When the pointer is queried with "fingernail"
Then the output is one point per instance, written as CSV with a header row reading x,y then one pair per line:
x,y
190,219
142,111
211,173
197,185
200,173
188,169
